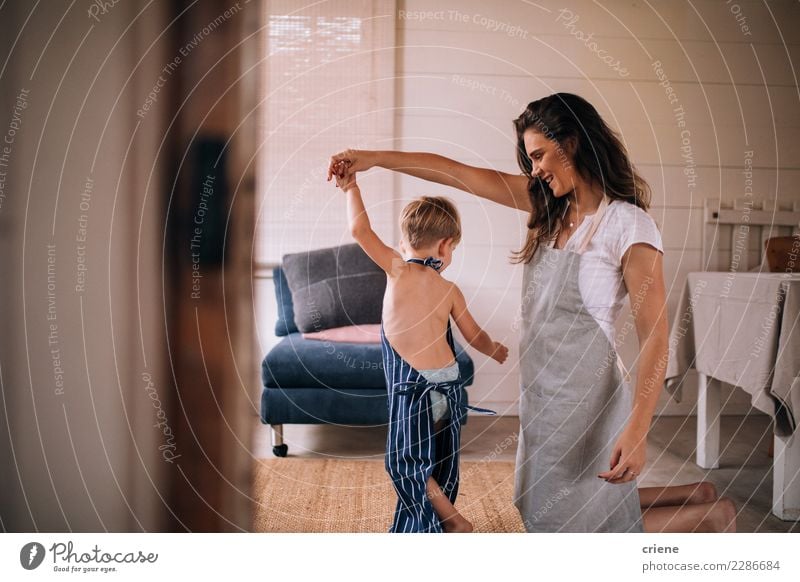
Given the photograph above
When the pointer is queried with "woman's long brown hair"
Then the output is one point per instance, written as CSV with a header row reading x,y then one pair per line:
x,y
599,157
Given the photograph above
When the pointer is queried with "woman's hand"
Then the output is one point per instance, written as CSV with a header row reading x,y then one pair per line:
x,y
353,160
627,458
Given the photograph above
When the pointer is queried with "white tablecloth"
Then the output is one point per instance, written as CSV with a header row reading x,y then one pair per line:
x,y
743,329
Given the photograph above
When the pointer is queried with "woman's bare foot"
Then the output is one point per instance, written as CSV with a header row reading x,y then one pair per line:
x,y
723,516
677,495
715,517
704,492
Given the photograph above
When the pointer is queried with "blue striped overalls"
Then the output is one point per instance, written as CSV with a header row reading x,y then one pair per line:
x,y
413,451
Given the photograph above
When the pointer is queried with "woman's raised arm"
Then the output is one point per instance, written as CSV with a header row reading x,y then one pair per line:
x,y
506,189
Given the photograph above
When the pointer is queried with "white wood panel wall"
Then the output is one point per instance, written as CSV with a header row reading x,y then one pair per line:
x,y
462,79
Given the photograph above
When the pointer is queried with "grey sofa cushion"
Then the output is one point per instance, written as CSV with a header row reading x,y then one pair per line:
x,y
296,362
334,287
285,323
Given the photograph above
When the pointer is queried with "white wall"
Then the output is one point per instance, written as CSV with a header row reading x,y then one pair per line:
x,y
462,79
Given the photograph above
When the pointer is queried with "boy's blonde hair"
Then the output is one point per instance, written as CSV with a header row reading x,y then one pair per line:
x,y
428,219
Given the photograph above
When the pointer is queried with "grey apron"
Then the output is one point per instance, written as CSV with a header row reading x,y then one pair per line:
x,y
574,404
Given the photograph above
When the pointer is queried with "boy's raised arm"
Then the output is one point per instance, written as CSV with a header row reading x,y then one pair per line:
x,y
384,256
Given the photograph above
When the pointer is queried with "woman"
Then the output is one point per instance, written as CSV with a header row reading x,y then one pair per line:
x,y
590,242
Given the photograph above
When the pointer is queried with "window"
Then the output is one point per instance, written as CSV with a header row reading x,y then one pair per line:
x,y
328,84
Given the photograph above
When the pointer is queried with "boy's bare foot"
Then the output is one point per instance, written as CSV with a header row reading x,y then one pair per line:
x,y
457,524
452,521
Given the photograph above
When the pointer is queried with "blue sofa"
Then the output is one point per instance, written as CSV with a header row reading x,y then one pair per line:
x,y
315,382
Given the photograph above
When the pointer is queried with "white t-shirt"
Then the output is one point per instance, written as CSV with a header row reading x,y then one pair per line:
x,y
600,276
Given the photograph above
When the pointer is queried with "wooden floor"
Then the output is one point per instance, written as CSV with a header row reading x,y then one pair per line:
x,y
744,475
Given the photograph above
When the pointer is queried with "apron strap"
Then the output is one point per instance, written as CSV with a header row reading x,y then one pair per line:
x,y
411,386
431,262
598,216
626,375
485,411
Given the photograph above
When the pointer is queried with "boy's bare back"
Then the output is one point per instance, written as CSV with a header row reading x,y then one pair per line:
x,y
416,309
418,302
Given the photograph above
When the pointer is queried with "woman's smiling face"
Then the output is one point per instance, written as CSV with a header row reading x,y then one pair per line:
x,y
550,162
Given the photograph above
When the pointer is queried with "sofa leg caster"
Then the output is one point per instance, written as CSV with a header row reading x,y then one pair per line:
x,y
279,449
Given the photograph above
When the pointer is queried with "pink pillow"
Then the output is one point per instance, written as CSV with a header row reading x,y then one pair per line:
x,y
356,334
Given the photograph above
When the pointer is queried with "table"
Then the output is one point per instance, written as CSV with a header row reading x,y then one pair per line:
x,y
743,329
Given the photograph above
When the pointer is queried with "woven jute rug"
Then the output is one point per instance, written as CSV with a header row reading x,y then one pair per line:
x,y
338,495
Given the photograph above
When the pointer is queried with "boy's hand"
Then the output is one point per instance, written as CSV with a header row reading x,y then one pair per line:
x,y
500,352
356,160
345,179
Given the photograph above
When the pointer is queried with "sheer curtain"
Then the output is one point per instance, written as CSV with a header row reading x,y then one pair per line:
x,y
328,84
